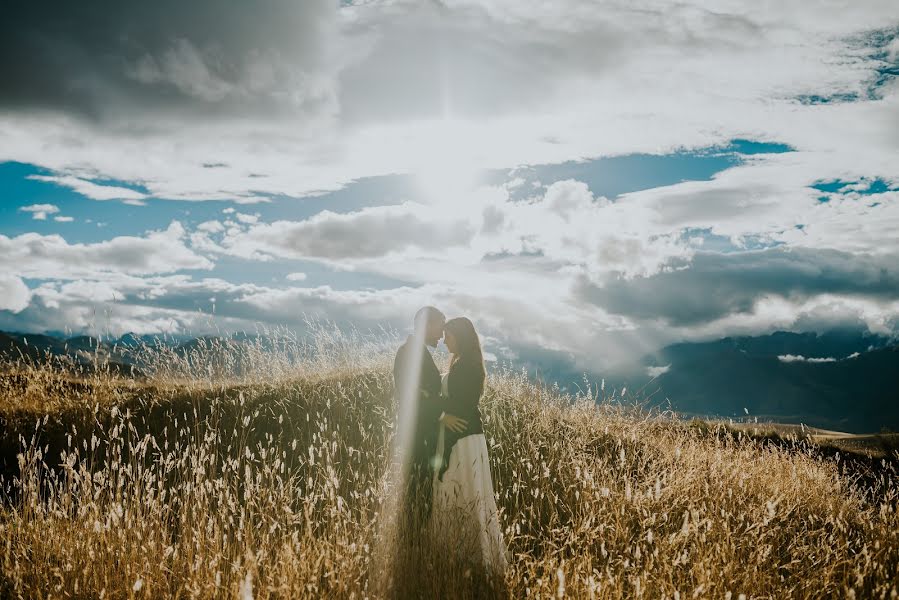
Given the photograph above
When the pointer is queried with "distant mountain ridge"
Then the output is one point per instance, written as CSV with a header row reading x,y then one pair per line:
x,y
35,344
838,380
137,354
85,352
834,344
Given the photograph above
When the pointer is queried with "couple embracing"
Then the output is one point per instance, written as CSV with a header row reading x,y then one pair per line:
x,y
449,482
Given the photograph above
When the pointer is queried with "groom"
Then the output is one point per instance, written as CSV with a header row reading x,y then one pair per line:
x,y
417,383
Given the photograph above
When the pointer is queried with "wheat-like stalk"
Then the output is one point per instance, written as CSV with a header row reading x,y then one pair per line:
x,y
261,469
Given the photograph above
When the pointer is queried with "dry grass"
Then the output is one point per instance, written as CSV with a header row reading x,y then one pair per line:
x,y
276,484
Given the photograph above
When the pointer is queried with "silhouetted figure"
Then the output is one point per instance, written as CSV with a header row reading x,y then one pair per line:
x,y
417,383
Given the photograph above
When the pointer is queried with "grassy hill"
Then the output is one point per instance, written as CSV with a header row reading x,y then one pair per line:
x,y
191,483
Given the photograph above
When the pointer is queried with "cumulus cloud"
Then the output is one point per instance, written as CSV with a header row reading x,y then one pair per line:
x,y
716,285
893,50
771,200
365,234
251,104
633,269
565,227
14,294
180,304
211,227
563,270
525,311
50,257
245,218
325,95
571,226
94,306
39,212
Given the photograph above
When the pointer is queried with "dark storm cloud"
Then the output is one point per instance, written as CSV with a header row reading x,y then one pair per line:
x,y
107,58
717,285
91,57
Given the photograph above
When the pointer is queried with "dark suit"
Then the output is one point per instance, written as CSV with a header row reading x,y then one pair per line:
x,y
426,399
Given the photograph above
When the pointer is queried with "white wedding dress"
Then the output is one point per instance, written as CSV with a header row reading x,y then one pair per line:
x,y
464,496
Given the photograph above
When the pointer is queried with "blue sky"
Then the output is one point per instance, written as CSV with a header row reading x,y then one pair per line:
x,y
609,177
591,180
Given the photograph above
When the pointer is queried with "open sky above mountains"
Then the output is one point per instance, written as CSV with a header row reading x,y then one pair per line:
x,y
595,179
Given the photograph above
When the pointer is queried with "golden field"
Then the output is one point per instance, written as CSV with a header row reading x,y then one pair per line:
x,y
263,472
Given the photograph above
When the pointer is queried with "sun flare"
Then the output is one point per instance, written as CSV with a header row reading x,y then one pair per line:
x,y
446,166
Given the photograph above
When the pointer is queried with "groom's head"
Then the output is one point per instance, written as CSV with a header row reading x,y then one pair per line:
x,y
429,324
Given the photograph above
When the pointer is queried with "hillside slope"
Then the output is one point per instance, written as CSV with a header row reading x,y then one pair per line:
x,y
283,487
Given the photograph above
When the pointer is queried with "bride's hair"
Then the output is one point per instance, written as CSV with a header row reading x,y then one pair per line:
x,y
469,345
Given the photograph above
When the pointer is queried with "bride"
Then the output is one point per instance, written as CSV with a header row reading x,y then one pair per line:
x,y
463,487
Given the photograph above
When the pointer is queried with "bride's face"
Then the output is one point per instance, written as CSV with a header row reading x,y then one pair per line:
x,y
450,341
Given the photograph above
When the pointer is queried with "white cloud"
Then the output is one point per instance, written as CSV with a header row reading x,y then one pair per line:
x,y
176,303
773,313
538,250
39,212
512,265
368,233
249,110
567,227
296,277
893,50
657,371
92,190
524,310
788,358
51,257
211,227
14,294
245,218
718,286
78,306
63,219
522,84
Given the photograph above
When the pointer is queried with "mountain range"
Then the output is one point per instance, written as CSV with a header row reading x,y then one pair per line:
x,y
838,380
843,380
